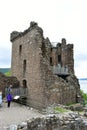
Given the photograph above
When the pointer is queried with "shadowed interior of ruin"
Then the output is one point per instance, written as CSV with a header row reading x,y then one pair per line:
x,y
63,76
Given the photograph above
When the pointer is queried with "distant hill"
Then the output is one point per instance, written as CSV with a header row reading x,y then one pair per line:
x,y
4,70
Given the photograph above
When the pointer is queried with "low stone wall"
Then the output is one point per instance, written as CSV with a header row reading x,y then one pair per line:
x,y
70,121
66,121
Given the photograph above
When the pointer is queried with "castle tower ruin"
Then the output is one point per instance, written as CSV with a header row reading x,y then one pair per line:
x,y
47,71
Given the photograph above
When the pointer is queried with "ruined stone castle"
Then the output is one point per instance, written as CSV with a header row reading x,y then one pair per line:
x,y
46,71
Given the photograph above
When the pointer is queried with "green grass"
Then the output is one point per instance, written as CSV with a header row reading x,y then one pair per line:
x,y
69,104
8,73
61,110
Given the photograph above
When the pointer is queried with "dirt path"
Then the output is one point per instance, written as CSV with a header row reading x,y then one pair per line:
x,y
15,115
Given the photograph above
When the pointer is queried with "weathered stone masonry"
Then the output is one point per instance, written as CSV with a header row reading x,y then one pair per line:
x,y
69,121
47,71
59,121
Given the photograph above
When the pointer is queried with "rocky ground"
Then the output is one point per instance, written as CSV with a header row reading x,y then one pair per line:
x,y
18,115
15,115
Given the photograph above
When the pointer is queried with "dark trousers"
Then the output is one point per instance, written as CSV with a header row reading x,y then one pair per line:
x,y
9,103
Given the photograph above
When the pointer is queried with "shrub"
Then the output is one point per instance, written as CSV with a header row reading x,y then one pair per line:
x,y
84,95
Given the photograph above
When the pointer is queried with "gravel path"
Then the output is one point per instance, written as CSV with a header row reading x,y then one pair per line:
x,y
15,115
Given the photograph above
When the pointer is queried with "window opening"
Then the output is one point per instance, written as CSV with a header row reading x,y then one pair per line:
x,y
51,49
59,58
20,49
24,83
50,60
24,67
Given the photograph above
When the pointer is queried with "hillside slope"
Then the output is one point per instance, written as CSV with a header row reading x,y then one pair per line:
x,y
4,70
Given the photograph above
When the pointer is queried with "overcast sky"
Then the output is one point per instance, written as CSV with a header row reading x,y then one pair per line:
x,y
58,19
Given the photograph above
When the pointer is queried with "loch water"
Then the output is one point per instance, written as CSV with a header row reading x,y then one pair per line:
x,y
83,85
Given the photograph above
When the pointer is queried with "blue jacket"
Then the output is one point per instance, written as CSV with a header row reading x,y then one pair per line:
x,y
9,97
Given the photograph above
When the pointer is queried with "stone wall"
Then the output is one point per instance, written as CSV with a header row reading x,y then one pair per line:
x,y
57,89
71,121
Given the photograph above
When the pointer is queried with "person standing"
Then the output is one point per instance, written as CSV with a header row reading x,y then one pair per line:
x,y
9,99
9,88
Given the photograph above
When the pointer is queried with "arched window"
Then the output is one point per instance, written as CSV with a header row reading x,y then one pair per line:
x,y
24,83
